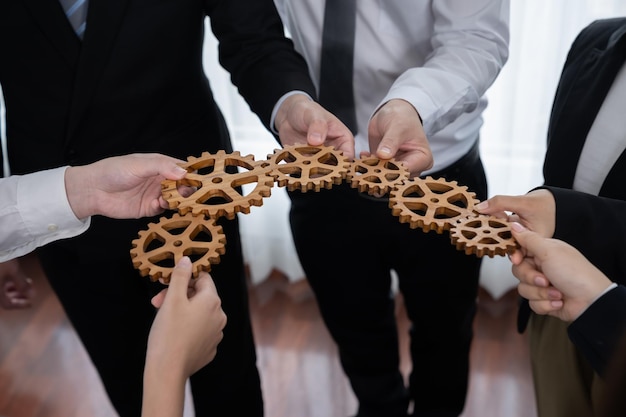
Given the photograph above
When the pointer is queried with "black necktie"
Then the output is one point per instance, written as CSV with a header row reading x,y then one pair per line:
x,y
336,68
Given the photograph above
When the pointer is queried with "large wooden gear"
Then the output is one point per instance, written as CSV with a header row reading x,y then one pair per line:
x,y
431,204
216,180
305,167
158,249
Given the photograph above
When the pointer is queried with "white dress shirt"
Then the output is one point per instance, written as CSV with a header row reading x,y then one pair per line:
x,y
439,55
605,141
34,211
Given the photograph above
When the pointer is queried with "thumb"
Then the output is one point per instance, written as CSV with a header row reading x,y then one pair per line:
x,y
171,169
181,275
531,241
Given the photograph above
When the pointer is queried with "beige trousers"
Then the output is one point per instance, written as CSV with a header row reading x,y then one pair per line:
x,y
565,384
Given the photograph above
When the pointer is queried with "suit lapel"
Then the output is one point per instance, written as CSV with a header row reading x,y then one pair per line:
x,y
589,82
104,18
51,18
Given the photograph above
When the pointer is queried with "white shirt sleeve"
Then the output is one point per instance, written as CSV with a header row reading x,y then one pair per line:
x,y
469,43
34,211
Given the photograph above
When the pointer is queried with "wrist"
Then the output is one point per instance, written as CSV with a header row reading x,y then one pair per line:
x,y
78,194
280,112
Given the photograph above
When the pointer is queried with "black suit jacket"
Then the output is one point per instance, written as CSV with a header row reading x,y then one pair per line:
x,y
595,58
593,62
136,82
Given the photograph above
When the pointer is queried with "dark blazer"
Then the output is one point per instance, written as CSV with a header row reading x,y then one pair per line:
x,y
594,59
136,84
596,337
592,64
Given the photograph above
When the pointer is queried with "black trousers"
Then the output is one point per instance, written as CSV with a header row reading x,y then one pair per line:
x,y
108,303
348,244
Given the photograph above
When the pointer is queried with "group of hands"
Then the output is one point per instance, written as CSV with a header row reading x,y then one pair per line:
x,y
130,187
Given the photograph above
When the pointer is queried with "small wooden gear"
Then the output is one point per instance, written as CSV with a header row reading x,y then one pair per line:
x,y
217,179
375,176
431,204
483,235
304,167
158,249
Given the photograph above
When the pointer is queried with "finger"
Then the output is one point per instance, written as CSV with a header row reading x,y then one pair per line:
x,y
181,275
526,272
517,257
316,132
502,203
534,293
205,284
172,171
417,161
545,306
157,300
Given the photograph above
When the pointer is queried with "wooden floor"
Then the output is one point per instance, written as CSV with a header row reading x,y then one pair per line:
x,y
44,371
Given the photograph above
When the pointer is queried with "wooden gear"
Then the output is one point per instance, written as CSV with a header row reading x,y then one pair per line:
x,y
431,204
217,180
376,177
159,248
483,235
305,167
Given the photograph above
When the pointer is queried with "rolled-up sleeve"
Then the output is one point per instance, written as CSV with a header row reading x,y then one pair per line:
x,y
34,211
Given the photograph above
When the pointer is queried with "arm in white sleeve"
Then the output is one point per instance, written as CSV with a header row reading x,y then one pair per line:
x,y
469,48
34,211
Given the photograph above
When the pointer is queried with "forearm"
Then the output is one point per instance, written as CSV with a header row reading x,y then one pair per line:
x,y
163,391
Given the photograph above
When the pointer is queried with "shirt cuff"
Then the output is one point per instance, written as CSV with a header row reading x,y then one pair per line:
x,y
49,213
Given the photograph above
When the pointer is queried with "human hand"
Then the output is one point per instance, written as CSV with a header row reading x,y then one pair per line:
x,y
395,131
535,210
554,276
189,324
302,120
17,289
121,187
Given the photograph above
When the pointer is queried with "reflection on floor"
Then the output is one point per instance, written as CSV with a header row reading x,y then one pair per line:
x,y
45,372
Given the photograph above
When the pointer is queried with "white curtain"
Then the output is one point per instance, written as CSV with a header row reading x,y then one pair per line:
x,y
512,139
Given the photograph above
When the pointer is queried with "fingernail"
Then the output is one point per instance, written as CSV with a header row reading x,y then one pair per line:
x,y
385,150
180,170
554,294
184,261
315,137
482,205
517,227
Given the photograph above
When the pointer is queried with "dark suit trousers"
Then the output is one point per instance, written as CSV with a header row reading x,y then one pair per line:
x,y
348,243
108,303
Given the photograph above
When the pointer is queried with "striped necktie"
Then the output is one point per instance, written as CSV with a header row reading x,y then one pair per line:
x,y
336,67
76,12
